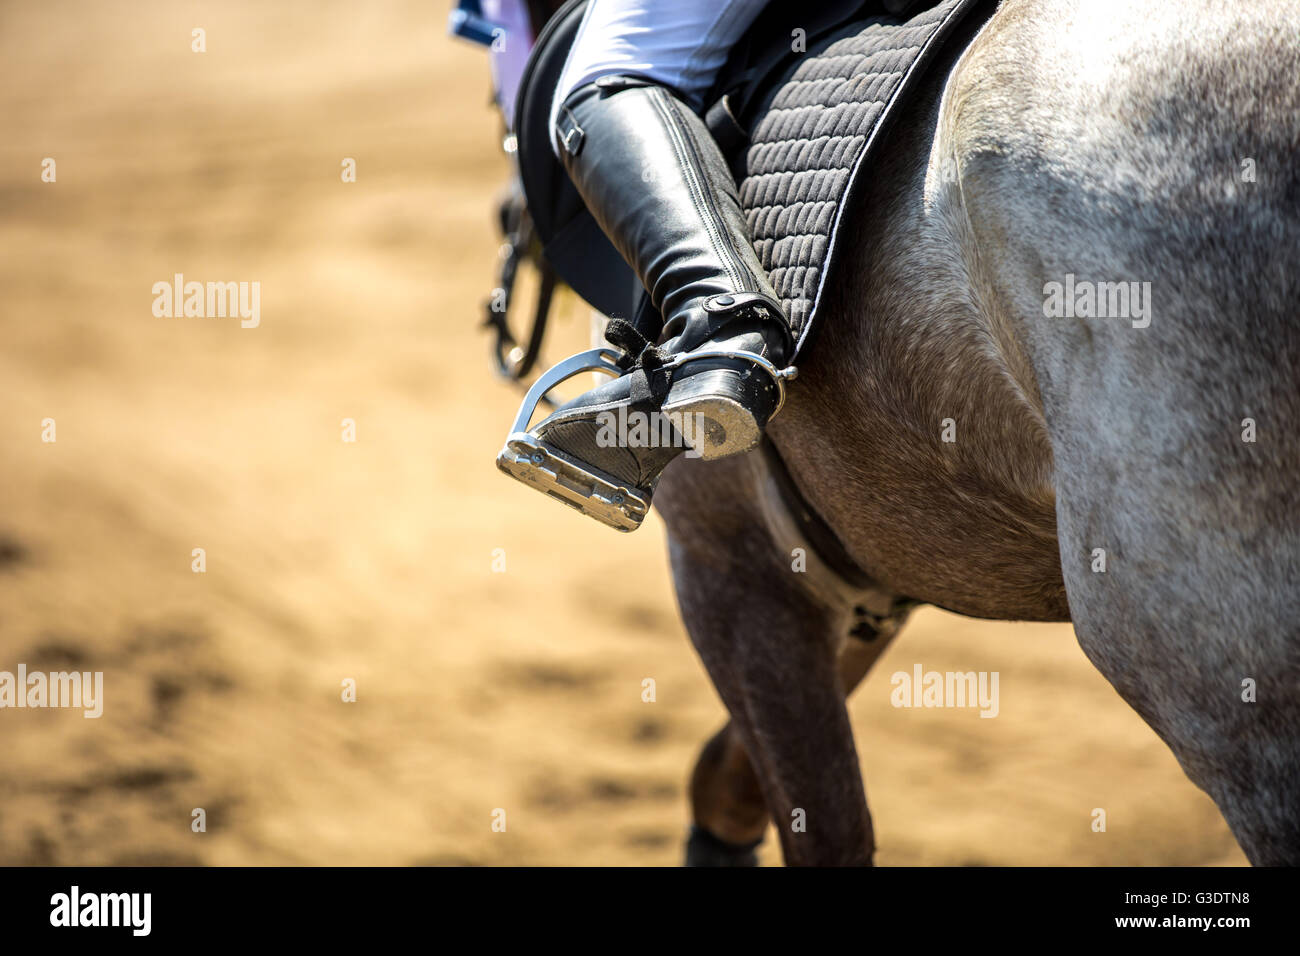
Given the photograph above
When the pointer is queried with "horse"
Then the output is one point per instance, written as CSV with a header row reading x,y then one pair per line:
x,y
977,447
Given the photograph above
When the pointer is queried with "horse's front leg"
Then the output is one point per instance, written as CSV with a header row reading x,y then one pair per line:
x,y
771,642
728,813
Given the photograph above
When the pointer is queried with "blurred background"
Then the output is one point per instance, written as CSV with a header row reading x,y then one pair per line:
x,y
372,560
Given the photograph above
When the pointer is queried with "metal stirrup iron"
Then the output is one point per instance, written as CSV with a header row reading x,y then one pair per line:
x,y
592,492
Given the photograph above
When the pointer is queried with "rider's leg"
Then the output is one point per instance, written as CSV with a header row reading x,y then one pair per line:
x,y
658,185
680,44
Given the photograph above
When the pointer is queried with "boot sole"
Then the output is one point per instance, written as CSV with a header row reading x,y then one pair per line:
x,y
716,408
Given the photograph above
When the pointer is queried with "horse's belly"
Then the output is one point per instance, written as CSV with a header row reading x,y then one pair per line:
x,y
928,523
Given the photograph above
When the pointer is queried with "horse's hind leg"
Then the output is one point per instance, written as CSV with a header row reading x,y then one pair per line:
x,y
728,813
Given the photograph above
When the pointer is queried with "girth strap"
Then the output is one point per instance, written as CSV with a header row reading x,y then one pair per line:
x,y
811,525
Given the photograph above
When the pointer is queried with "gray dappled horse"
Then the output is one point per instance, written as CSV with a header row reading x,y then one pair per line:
x,y
1147,141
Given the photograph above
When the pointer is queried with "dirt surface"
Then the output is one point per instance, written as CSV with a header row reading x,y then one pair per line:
x,y
372,560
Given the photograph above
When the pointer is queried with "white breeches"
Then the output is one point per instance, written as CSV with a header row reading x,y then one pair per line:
x,y
679,43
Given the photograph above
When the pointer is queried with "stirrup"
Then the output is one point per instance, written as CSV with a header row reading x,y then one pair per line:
x,y
590,490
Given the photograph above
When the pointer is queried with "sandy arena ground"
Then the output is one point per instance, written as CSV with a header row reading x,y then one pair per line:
x,y
372,560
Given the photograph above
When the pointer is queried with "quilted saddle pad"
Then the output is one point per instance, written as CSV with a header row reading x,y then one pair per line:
x,y
811,144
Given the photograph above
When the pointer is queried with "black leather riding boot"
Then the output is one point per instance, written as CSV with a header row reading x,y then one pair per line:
x,y
656,182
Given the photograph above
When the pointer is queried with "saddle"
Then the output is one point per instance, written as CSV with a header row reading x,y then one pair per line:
x,y
802,103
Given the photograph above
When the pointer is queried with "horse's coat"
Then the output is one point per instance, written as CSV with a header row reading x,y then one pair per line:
x,y
1112,141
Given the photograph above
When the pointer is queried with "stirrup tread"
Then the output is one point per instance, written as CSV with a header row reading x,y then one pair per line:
x,y
576,484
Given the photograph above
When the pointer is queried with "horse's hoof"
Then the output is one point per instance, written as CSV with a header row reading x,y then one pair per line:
x,y
704,849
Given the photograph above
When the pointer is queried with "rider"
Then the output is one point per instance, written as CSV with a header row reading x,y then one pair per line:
x,y
626,126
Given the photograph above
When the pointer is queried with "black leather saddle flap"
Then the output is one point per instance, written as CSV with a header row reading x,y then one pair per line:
x,y
575,246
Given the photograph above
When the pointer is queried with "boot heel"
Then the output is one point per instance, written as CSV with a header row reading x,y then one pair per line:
x,y
721,411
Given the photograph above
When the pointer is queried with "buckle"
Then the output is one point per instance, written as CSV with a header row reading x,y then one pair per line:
x,y
527,459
